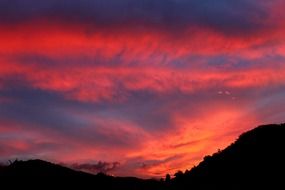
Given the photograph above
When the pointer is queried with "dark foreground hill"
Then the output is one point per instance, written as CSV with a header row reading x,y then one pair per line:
x,y
255,161
38,174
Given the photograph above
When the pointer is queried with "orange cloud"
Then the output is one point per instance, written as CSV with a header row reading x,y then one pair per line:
x,y
192,140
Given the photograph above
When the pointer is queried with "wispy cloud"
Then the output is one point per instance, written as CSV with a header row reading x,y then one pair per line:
x,y
100,167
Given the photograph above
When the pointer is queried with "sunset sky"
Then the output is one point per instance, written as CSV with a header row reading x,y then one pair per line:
x,y
137,87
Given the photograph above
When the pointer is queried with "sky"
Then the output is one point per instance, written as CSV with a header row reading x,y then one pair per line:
x,y
137,87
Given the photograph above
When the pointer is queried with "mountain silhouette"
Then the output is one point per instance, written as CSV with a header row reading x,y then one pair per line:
x,y
254,161
28,174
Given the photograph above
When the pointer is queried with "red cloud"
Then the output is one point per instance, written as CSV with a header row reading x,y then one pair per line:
x,y
151,51
101,83
62,40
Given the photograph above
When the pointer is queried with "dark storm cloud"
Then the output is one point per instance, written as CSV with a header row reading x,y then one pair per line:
x,y
229,16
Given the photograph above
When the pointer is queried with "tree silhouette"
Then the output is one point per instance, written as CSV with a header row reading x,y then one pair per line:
x,y
178,174
167,178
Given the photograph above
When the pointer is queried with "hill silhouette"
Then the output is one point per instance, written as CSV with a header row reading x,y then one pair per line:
x,y
256,160
28,174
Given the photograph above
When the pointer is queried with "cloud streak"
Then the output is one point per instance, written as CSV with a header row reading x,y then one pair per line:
x,y
100,167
